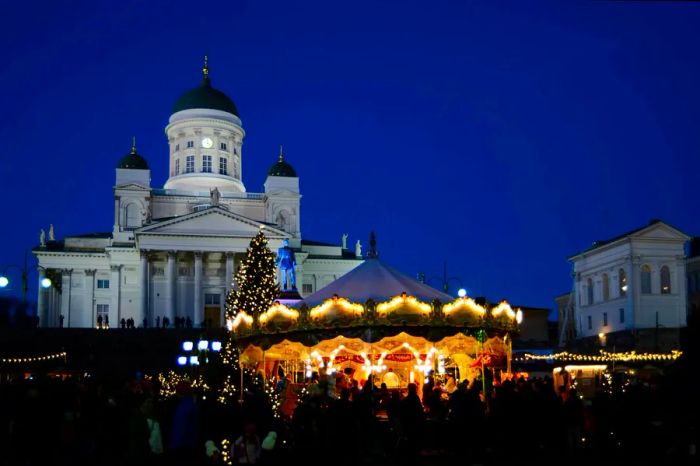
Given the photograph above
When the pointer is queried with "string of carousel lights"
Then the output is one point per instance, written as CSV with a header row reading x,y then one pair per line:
x,y
47,357
603,356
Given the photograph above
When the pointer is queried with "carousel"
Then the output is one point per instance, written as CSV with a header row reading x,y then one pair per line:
x,y
376,323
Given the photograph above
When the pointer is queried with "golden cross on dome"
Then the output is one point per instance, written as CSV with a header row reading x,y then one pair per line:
x,y
205,70
281,153
133,144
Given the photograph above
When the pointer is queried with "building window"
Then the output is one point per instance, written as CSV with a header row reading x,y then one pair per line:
x,y
177,147
103,284
212,299
622,316
158,271
183,271
222,146
622,282
646,279
206,164
189,164
606,287
665,280
223,164
235,151
307,288
589,291
590,323
190,144
177,167
605,319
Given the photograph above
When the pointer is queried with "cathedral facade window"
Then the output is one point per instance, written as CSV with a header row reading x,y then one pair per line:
x,y
177,167
223,146
646,279
190,144
223,166
189,164
665,275
206,164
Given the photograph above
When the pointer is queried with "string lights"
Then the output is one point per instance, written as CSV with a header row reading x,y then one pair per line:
x,y
25,360
604,356
338,303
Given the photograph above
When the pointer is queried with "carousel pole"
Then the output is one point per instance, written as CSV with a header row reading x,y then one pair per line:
x,y
241,397
509,352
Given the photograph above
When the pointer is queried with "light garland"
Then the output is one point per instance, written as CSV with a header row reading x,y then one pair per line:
x,y
463,303
502,307
402,300
336,301
241,317
278,308
604,356
226,452
47,357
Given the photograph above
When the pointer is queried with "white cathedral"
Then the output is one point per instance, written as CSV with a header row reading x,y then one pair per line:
x,y
172,251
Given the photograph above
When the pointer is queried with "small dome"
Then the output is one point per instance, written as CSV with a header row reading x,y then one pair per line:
x,y
133,160
282,168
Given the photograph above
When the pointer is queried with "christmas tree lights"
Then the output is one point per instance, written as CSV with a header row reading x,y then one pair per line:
x,y
256,279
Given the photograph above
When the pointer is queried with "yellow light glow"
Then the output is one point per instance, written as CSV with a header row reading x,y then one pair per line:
x,y
463,303
604,356
337,302
400,301
278,309
502,307
241,317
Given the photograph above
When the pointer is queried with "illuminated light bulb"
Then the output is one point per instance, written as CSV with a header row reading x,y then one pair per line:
x,y
187,345
182,360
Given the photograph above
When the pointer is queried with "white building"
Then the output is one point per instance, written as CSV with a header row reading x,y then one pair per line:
x,y
631,283
173,251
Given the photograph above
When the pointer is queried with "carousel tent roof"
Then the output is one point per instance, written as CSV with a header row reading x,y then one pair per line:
x,y
377,281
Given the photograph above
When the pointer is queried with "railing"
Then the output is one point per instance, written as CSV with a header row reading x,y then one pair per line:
x,y
177,192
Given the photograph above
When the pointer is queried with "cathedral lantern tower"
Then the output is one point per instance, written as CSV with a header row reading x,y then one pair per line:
x,y
205,138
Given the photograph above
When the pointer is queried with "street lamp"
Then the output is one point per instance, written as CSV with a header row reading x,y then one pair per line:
x,y
445,280
23,270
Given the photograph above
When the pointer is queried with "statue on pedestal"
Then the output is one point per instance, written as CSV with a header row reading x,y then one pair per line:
x,y
358,249
51,235
214,196
42,238
287,262
345,240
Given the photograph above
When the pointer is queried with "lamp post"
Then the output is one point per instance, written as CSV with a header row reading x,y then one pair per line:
x,y
445,280
5,280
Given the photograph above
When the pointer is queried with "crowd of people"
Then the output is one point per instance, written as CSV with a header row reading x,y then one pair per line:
x,y
83,420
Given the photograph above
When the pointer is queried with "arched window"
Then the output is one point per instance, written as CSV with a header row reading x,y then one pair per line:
x,y
646,279
606,287
132,216
589,291
665,280
622,282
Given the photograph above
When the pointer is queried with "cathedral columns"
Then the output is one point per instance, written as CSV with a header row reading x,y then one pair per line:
x,y
41,307
198,316
171,282
228,278
143,281
91,301
115,312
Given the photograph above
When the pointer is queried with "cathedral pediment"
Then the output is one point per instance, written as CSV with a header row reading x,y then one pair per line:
x,y
214,221
132,187
660,231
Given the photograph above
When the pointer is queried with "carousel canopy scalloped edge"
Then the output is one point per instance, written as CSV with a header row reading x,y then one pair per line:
x,y
401,312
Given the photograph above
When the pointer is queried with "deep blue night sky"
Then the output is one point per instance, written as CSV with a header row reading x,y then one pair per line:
x,y
499,137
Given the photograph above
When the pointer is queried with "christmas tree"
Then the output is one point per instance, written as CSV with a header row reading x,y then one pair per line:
x,y
256,279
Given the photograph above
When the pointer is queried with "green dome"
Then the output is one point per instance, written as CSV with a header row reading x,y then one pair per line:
x,y
282,168
133,161
205,96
